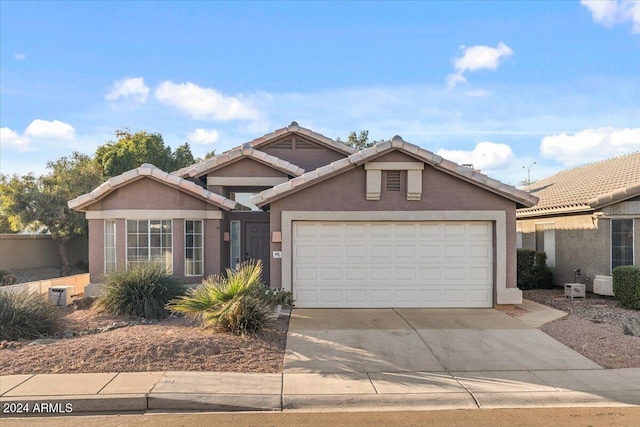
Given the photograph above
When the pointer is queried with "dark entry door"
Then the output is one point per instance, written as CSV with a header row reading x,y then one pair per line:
x,y
256,245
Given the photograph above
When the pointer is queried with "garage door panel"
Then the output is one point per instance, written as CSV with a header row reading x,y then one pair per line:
x,y
380,273
386,264
355,251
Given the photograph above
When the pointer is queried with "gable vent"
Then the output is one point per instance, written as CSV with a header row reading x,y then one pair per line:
x,y
305,145
393,180
286,144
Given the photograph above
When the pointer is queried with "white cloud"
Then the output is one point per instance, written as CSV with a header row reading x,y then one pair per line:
x,y
54,129
205,103
612,12
590,145
133,89
477,58
20,56
486,156
204,136
10,138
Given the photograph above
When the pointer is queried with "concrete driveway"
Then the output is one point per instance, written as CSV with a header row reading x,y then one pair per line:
x,y
420,340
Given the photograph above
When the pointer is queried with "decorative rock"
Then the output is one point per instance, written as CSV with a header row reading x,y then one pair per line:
x,y
43,341
632,326
84,303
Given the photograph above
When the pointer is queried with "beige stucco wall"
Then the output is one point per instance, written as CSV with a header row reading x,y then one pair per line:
x,y
305,158
583,241
148,194
440,192
21,251
245,168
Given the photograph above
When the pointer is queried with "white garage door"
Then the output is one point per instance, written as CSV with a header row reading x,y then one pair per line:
x,y
392,264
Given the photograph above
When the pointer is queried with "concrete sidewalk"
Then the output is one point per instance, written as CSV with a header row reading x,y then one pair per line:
x,y
418,389
49,394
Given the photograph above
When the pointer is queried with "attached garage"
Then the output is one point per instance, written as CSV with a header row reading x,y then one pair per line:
x,y
383,264
394,226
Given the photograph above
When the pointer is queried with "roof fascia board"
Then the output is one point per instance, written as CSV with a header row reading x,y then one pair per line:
x,y
81,203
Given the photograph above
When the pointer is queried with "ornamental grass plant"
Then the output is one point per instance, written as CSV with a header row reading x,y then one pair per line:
x,y
27,315
142,291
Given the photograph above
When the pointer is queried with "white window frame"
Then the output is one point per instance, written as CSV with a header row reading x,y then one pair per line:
x,y
549,242
201,247
169,265
633,240
108,249
231,245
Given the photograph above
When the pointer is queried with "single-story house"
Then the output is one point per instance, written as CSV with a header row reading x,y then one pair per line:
x,y
587,219
393,225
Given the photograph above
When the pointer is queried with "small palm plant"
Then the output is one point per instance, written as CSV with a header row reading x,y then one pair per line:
x,y
234,303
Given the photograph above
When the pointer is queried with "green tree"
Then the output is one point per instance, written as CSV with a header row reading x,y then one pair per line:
x,y
41,202
359,141
9,223
130,151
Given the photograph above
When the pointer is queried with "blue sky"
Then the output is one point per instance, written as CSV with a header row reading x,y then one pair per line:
x,y
497,84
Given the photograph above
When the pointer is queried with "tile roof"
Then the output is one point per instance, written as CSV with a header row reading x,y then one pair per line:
x,y
295,128
246,150
147,170
360,157
586,187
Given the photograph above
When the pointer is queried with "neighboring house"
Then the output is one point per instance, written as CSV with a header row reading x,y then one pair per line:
x,y
587,218
390,226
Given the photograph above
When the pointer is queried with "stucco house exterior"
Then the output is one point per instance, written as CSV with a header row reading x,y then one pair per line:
x,y
587,219
393,225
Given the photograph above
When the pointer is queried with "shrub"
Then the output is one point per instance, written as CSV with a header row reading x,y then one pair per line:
x,y
532,270
142,290
27,315
626,286
7,278
281,297
234,303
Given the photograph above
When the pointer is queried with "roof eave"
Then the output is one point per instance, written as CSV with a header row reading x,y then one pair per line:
x,y
81,203
614,197
552,211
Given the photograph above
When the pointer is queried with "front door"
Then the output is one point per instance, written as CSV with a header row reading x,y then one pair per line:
x,y
257,245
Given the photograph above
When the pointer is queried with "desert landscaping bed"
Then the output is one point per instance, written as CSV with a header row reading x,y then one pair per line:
x,y
98,342
593,327
169,345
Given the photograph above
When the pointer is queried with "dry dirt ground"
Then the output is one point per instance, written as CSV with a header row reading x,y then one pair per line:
x,y
593,327
168,345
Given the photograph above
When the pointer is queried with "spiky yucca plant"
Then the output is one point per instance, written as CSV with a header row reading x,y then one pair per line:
x,y
233,303
27,315
142,290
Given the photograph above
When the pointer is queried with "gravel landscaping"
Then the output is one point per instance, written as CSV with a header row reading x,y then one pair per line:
x,y
96,342
593,327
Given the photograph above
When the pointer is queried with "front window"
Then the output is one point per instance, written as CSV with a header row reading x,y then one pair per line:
x,y
193,248
621,242
235,244
150,241
109,246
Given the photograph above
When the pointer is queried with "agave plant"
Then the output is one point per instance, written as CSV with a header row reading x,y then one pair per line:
x,y
233,302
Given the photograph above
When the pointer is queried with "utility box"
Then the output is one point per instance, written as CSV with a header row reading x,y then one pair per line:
x,y
574,290
60,295
603,285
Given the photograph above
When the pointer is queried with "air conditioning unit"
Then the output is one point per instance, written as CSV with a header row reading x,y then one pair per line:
x,y
603,285
60,295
